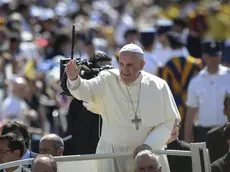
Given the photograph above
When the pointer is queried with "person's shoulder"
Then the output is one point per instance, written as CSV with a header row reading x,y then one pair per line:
x,y
33,154
220,163
197,78
109,73
153,79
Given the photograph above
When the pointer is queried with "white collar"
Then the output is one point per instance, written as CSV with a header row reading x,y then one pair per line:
x,y
221,71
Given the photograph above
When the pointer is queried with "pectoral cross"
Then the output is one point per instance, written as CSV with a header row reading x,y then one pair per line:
x,y
136,121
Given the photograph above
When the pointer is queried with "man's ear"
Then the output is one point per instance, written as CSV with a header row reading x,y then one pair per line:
x,y
142,64
61,151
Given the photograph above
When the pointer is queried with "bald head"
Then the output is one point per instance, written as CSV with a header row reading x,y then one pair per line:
x,y
44,163
51,144
147,161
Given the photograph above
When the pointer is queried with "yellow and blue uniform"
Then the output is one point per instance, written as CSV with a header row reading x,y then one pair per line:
x,y
178,72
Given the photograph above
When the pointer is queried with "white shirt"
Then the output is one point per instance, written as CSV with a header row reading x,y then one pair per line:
x,y
206,92
151,64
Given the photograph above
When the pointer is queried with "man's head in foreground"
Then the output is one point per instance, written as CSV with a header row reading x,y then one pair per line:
x,y
44,163
146,161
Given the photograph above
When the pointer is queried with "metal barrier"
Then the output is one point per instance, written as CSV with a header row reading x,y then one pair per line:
x,y
198,150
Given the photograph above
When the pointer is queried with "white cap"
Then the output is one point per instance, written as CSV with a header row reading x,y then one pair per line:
x,y
131,48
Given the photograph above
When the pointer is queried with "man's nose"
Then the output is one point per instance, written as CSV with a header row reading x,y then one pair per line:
x,y
126,70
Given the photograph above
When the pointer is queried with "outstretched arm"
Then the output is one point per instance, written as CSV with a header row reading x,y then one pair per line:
x,y
87,90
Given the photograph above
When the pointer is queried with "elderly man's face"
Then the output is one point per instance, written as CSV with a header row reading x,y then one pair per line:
x,y
48,147
130,66
147,164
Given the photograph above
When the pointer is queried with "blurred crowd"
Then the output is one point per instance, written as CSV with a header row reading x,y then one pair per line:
x,y
36,34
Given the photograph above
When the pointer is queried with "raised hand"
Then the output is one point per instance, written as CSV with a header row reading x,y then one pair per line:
x,y
72,70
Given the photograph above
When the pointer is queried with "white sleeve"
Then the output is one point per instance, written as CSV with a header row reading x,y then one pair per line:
x,y
161,133
192,98
87,90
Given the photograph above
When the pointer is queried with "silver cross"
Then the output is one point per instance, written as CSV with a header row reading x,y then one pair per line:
x,y
136,120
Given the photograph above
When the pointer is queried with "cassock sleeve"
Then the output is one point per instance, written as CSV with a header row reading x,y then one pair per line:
x,y
87,90
161,133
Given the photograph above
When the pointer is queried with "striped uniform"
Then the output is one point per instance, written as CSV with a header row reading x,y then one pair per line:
x,y
178,72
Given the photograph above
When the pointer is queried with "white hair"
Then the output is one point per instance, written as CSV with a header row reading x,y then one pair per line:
x,y
149,154
55,138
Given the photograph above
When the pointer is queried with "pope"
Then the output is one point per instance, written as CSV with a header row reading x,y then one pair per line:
x,y
137,108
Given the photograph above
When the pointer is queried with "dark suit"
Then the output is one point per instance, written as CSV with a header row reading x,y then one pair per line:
x,y
84,126
216,143
33,154
222,164
24,169
179,163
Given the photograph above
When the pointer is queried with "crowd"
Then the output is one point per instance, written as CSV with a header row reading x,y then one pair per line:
x,y
185,43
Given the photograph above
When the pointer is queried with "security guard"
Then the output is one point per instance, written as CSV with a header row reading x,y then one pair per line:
x,y
206,94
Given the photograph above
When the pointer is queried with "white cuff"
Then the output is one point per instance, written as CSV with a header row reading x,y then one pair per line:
x,y
73,84
159,136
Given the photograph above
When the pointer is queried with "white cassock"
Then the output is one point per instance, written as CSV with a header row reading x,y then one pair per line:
x,y
157,111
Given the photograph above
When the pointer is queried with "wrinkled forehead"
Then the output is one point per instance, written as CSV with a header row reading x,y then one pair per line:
x,y
46,143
